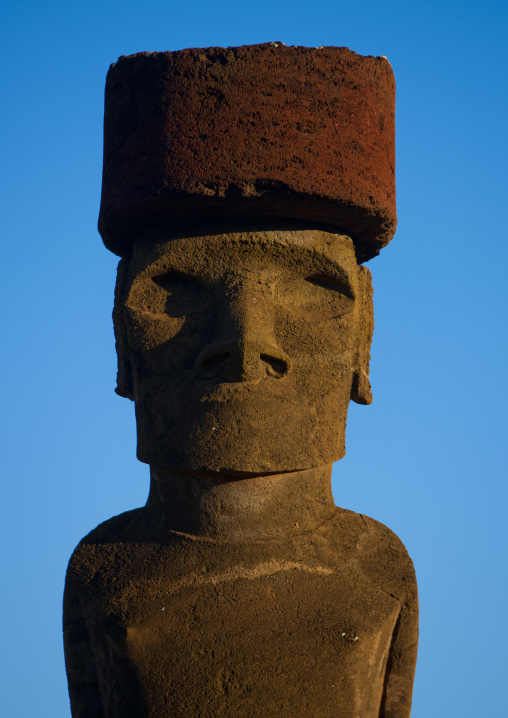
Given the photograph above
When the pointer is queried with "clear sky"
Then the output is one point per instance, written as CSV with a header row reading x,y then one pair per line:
x,y
428,458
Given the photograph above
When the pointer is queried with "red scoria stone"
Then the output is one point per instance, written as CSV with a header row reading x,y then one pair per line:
x,y
294,133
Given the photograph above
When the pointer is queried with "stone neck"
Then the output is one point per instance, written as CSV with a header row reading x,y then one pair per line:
x,y
232,508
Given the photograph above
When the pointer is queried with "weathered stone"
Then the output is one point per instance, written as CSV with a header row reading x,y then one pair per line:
x,y
240,589
256,131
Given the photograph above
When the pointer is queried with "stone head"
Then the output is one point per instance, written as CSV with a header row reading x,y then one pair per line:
x,y
242,349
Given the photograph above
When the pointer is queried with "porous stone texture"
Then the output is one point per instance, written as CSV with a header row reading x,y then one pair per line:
x,y
264,130
240,589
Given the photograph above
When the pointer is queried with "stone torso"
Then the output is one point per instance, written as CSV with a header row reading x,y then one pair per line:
x,y
302,626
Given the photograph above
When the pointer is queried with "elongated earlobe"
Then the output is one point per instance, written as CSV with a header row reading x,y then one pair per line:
x,y
124,383
361,391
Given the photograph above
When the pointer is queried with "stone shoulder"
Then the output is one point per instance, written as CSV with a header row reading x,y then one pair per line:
x,y
102,548
381,557
114,530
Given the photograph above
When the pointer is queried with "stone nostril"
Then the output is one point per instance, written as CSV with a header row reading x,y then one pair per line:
x,y
274,366
208,370
209,363
242,361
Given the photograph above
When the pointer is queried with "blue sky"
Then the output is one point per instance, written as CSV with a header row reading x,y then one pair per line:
x,y
427,458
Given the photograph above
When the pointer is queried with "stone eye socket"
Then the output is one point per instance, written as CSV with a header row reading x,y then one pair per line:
x,y
318,294
323,283
184,294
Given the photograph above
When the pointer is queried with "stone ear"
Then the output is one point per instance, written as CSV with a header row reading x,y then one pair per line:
x,y
124,382
361,391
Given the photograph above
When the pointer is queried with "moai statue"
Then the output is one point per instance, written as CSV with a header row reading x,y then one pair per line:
x,y
243,188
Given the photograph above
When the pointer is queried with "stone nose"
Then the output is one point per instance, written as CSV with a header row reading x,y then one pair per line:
x,y
244,348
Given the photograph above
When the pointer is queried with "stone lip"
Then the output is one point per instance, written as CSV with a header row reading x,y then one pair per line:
x,y
270,131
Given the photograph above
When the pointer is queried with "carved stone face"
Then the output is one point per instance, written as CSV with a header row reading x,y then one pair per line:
x,y
240,350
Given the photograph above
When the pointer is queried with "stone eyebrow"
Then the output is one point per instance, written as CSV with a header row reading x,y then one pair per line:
x,y
320,261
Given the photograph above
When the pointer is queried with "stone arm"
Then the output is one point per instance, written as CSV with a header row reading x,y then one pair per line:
x,y
385,561
84,693
400,669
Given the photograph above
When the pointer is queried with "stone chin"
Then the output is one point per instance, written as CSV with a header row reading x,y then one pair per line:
x,y
248,433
